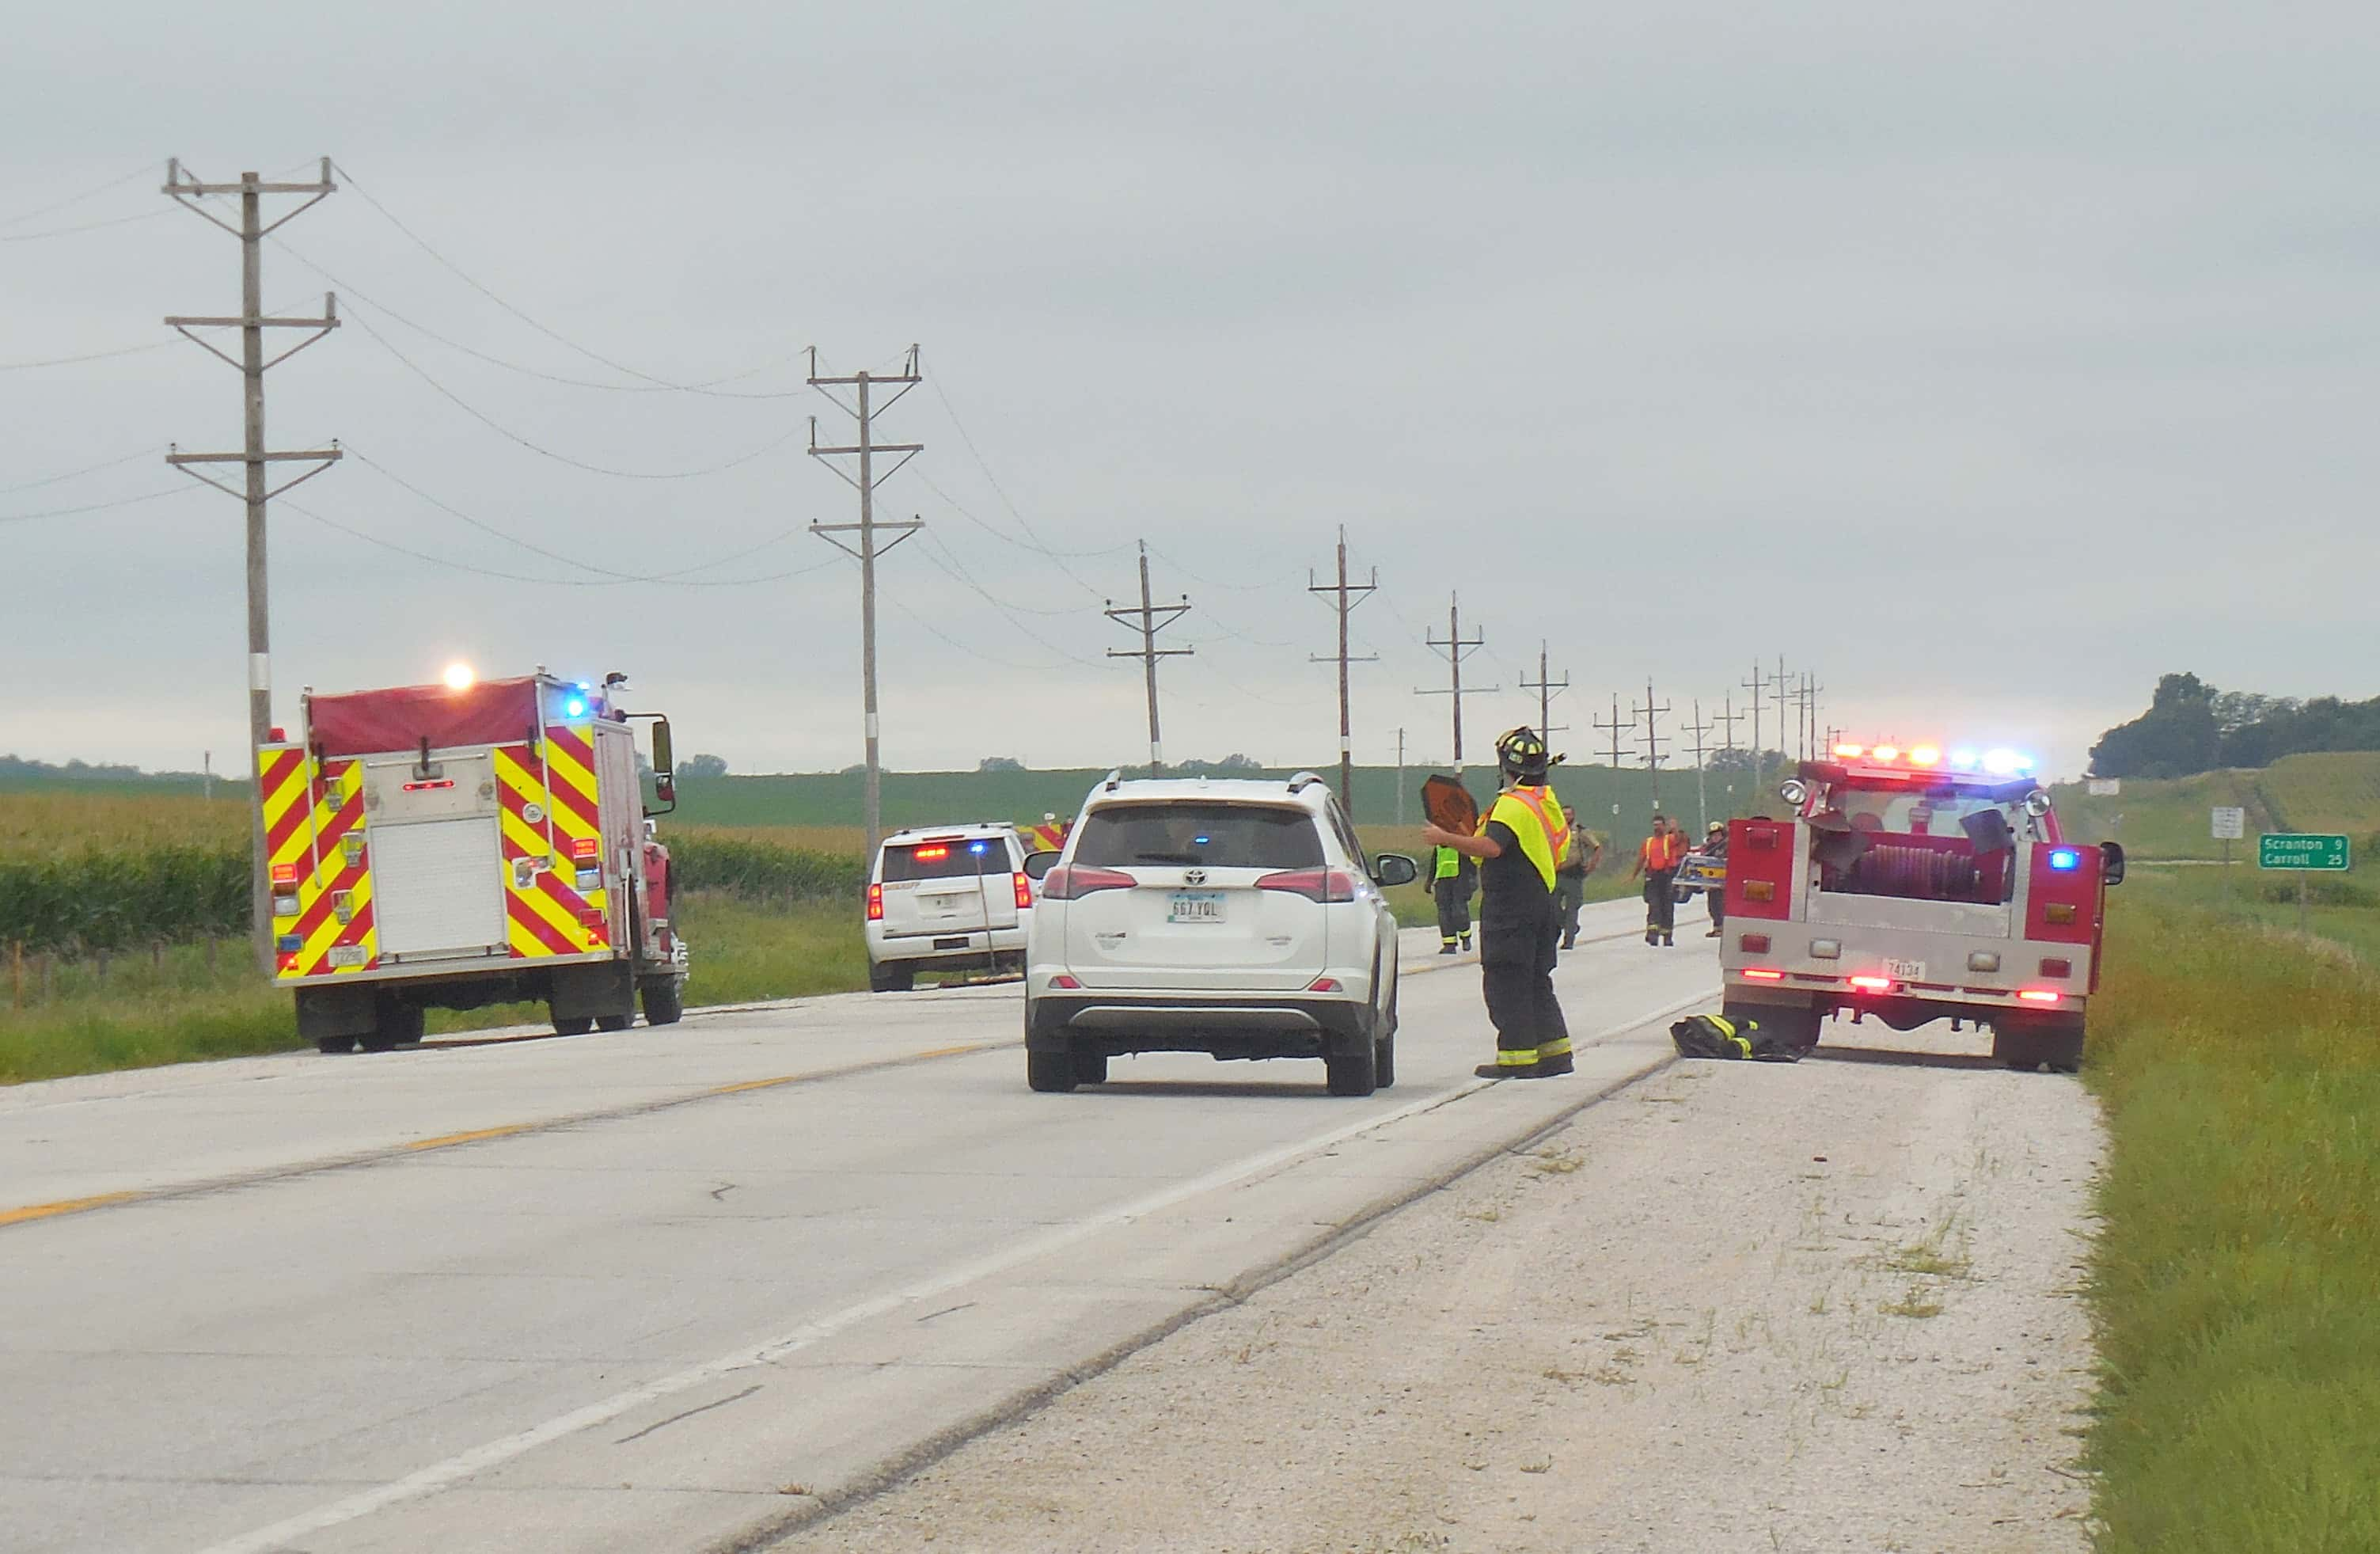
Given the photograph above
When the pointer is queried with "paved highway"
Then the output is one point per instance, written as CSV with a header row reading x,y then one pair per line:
x,y
678,1289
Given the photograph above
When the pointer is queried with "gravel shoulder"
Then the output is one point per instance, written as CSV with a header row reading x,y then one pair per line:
x,y
1824,1307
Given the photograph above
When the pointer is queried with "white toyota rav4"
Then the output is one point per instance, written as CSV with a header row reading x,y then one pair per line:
x,y
1235,919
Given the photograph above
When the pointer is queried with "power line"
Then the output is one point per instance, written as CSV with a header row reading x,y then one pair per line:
x,y
1343,598
503,431
88,356
94,506
71,474
146,170
83,227
465,277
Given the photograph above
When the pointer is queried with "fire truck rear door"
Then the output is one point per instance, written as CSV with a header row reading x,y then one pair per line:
x,y
437,856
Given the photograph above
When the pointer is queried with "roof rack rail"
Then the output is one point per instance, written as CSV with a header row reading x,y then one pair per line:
x,y
1115,775
1303,781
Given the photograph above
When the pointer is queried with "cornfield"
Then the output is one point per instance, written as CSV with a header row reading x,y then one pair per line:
x,y
107,899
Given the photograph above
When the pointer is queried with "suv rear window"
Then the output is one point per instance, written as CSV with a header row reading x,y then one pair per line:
x,y
1212,835
956,858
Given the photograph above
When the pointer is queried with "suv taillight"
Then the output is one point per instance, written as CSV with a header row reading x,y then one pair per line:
x,y
1024,892
1313,885
875,904
1073,882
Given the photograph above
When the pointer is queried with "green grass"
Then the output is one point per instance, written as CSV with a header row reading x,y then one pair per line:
x,y
2236,1283
176,1007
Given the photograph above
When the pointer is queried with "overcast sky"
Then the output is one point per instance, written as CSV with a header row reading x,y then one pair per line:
x,y
1987,360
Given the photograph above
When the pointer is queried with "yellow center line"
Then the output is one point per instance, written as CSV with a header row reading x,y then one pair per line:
x,y
754,1084
951,1051
64,1205
473,1136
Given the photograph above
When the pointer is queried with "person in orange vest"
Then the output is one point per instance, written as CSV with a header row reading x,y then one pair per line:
x,y
1519,844
1657,861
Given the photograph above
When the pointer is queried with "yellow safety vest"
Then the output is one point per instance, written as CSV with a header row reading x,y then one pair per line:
x,y
1535,815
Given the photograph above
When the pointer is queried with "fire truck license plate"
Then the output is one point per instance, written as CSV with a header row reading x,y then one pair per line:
x,y
1197,907
346,956
1905,971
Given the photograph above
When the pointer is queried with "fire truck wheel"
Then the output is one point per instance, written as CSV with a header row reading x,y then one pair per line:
x,y
615,1021
1050,1073
396,1024
331,1046
664,1001
578,1025
2026,1047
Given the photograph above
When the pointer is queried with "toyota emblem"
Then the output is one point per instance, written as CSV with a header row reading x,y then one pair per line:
x,y
1193,875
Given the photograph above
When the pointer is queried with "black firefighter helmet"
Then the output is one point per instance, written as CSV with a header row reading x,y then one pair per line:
x,y
1521,755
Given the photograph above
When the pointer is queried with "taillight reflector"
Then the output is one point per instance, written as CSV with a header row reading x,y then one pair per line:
x,y
586,848
284,873
1873,983
1752,943
1764,973
2059,968
1759,890
2039,995
875,904
1023,891
1072,882
1062,980
1325,985
2058,912
1313,885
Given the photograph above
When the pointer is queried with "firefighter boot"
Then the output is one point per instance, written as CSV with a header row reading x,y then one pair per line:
x,y
1511,1071
1467,942
1447,948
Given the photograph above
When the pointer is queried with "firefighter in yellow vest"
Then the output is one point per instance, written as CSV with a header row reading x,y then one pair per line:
x,y
1520,841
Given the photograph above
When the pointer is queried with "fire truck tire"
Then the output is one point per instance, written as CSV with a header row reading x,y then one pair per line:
x,y
1051,1072
615,1021
578,1025
2024,1048
396,1024
664,1001
331,1046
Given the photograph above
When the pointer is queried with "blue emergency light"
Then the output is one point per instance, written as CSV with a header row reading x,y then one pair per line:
x,y
2065,859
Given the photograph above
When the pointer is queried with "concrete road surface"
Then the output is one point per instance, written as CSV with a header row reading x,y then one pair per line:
x,y
680,1289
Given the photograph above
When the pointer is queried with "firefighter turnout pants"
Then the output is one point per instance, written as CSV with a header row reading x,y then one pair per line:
x,y
1516,963
1453,909
1661,901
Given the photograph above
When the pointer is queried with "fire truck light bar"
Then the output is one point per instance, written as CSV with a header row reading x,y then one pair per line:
x,y
1998,763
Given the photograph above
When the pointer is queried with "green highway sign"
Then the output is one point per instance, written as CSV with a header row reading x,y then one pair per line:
x,y
2291,850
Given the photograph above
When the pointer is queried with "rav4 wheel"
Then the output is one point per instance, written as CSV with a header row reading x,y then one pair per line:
x,y
1355,1073
1384,1045
1090,1068
1051,1072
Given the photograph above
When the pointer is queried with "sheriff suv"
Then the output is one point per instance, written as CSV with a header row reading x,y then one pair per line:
x,y
1235,919
946,898
1912,886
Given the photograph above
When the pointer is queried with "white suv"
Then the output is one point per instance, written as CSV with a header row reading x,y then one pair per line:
x,y
1236,918
946,898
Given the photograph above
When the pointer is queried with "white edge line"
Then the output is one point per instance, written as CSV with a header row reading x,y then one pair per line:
x,y
438,1475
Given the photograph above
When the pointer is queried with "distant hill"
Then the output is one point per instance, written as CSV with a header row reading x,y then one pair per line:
x,y
20,774
2167,818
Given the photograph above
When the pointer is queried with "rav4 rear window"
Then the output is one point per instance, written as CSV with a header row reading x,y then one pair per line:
x,y
1210,835
955,860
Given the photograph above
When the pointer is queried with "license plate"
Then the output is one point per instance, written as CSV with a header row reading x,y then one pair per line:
x,y
1905,971
343,956
1197,907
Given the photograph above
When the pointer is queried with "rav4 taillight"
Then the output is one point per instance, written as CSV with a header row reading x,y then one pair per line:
x,y
1073,882
1313,885
875,904
1024,892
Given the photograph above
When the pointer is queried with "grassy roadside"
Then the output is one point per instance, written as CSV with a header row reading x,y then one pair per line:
x,y
2236,1280
183,1009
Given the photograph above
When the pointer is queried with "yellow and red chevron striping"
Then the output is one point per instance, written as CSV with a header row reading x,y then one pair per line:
x,y
309,814
545,914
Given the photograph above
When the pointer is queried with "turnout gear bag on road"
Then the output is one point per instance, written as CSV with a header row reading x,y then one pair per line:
x,y
1715,1036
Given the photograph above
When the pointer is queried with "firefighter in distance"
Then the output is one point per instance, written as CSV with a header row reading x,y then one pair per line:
x,y
1519,844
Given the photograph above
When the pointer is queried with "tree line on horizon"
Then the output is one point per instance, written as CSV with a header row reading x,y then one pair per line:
x,y
2191,727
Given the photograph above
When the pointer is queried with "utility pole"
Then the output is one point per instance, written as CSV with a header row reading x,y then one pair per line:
x,y
1652,714
1400,776
1345,597
1455,646
1702,793
251,323
1613,728
1727,721
1759,757
1149,652
1546,687
865,450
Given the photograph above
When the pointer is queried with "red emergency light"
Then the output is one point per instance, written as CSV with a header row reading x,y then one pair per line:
x,y
932,855
1873,983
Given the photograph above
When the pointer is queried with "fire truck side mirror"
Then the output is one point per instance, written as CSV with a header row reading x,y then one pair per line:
x,y
664,759
2111,862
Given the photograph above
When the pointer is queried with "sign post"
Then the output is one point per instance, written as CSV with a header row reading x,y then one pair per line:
x,y
2228,823
2305,853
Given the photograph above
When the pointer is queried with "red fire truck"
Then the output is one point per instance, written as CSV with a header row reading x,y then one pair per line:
x,y
1912,885
467,844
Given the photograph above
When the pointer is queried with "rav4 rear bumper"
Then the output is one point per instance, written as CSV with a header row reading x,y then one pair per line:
x,y
1227,1026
